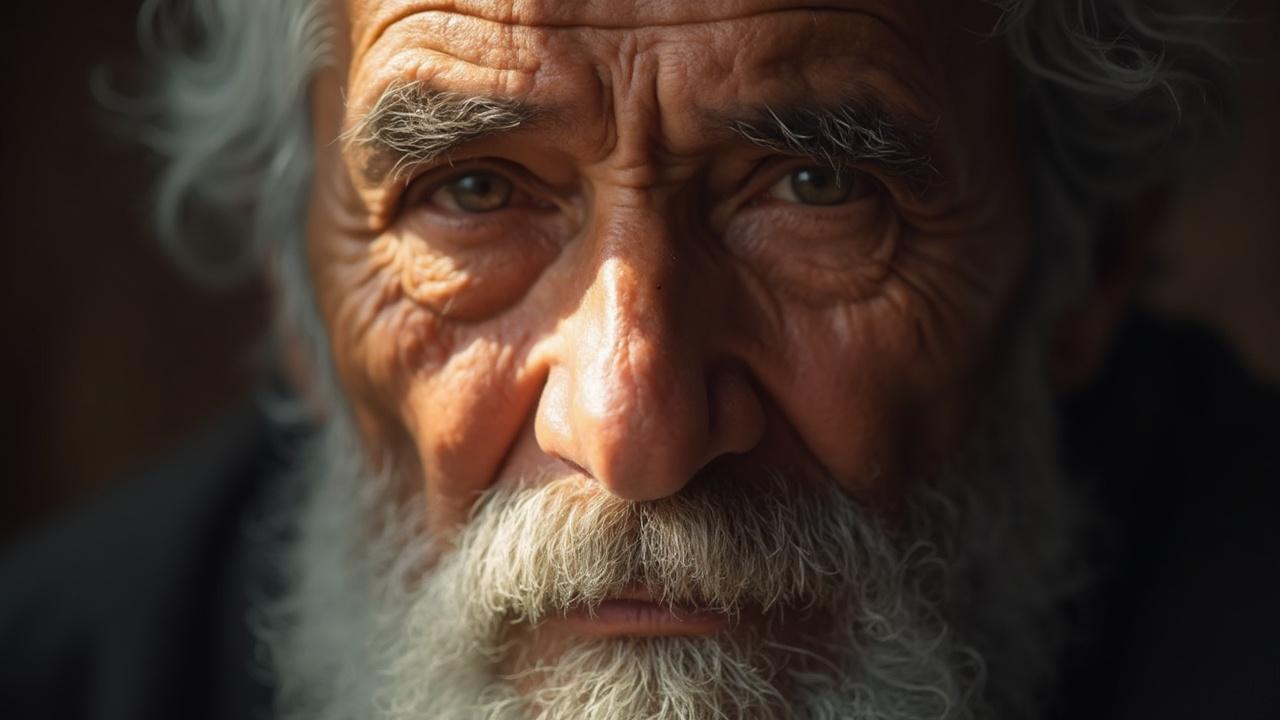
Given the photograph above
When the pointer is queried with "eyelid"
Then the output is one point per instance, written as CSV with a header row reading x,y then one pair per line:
x,y
774,171
426,184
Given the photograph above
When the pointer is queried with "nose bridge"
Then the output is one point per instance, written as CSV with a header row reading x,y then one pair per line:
x,y
640,359
639,411
635,286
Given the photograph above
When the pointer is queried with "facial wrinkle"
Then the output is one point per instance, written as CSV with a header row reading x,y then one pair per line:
x,y
396,12
509,27
634,110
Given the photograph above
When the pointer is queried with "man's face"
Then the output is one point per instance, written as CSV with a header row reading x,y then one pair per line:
x,y
625,289
665,239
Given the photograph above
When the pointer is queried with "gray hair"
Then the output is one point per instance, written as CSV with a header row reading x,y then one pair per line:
x,y
229,115
1116,95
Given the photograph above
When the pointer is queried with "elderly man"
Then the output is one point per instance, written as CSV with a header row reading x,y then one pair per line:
x,y
650,360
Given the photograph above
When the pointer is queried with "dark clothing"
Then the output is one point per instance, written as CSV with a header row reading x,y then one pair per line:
x,y
1184,448
135,607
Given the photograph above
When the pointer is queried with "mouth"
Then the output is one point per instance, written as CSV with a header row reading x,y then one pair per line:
x,y
636,613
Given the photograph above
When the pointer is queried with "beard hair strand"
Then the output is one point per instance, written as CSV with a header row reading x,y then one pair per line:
x,y
952,615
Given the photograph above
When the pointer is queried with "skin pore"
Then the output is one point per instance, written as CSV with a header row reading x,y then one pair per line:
x,y
624,290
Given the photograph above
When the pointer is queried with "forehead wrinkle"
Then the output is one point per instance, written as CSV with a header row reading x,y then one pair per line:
x,y
433,47
896,15
527,41
498,47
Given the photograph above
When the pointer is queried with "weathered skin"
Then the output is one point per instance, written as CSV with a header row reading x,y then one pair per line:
x,y
650,301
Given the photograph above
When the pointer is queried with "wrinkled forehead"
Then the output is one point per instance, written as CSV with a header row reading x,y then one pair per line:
x,y
518,49
623,13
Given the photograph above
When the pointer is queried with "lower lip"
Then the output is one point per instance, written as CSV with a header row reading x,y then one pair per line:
x,y
640,618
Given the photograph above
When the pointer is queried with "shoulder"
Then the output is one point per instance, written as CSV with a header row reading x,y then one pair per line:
x,y
105,613
1182,445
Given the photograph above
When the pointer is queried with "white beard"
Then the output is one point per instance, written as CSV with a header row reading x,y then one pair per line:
x,y
953,615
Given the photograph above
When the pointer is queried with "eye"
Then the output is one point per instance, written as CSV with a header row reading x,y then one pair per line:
x,y
820,185
478,191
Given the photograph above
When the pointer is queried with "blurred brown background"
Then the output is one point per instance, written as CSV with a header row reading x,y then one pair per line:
x,y
110,358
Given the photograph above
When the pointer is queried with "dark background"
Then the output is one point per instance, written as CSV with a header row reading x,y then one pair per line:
x,y
110,358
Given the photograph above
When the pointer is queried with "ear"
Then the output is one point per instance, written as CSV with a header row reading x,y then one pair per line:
x,y
1082,333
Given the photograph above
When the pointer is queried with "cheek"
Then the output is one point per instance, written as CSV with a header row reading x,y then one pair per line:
x,y
401,309
822,256
468,416
840,391
380,337
443,398
879,389
468,280
428,340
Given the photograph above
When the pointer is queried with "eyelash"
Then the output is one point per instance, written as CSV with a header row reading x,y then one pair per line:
x,y
523,181
787,164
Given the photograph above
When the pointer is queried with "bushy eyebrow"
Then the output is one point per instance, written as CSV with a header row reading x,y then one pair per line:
x,y
862,131
411,125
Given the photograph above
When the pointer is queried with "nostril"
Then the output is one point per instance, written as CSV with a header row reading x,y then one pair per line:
x,y
576,467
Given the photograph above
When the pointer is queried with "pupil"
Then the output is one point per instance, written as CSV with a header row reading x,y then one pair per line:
x,y
815,178
476,185
820,186
480,192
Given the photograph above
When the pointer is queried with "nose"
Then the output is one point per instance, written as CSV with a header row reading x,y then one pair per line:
x,y
640,396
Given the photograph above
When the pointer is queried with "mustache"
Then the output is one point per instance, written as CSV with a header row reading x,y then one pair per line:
x,y
724,543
